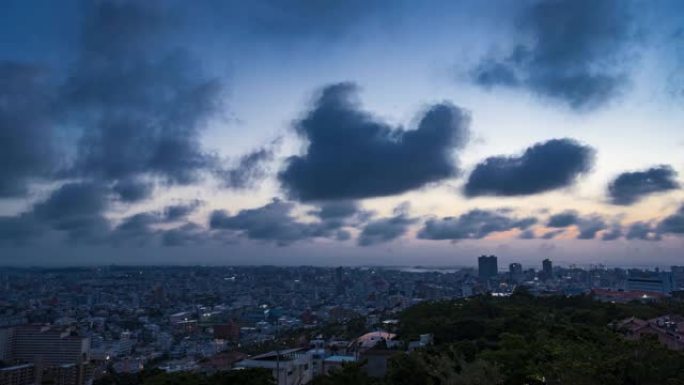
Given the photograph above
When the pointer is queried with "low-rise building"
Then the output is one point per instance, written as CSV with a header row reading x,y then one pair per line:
x,y
669,330
289,366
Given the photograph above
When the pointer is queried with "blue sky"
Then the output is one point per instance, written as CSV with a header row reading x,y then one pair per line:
x,y
330,132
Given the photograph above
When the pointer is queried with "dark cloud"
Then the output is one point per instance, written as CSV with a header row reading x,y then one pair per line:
x,y
133,189
673,224
305,18
552,234
187,234
26,138
251,168
336,210
644,231
342,235
334,215
572,51
613,233
18,230
137,229
542,167
351,154
630,187
386,229
180,211
71,203
474,224
290,20
76,208
527,234
590,226
273,222
564,219
141,103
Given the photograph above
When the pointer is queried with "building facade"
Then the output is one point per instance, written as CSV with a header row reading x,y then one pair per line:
x,y
487,267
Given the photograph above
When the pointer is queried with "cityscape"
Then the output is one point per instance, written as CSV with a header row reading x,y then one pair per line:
x,y
80,325
341,192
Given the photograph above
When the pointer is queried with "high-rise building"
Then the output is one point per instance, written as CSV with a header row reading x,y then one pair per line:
x,y
660,282
677,277
487,266
51,346
547,269
6,337
23,374
51,349
515,271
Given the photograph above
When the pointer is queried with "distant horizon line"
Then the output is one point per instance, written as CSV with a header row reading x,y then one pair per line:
x,y
328,266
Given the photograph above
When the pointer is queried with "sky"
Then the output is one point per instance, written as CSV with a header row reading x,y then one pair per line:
x,y
324,132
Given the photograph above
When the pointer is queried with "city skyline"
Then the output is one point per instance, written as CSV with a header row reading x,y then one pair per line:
x,y
341,133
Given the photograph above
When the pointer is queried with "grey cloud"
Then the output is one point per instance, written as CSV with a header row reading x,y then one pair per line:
x,y
187,234
342,235
552,234
587,226
273,222
572,51
72,205
644,231
386,229
630,187
474,224
613,233
181,210
18,230
351,155
141,103
337,210
590,226
545,166
137,229
251,168
564,219
133,189
297,19
27,151
338,214
673,224
76,208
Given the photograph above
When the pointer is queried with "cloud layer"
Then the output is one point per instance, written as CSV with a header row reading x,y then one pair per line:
x,y
352,155
26,113
474,224
630,187
570,51
543,167
274,222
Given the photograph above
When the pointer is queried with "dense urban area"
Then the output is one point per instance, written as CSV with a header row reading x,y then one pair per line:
x,y
345,325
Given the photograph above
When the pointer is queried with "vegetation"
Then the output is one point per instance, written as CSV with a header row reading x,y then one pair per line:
x,y
507,341
526,340
529,340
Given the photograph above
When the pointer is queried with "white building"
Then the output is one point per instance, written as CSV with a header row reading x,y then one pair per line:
x,y
289,366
